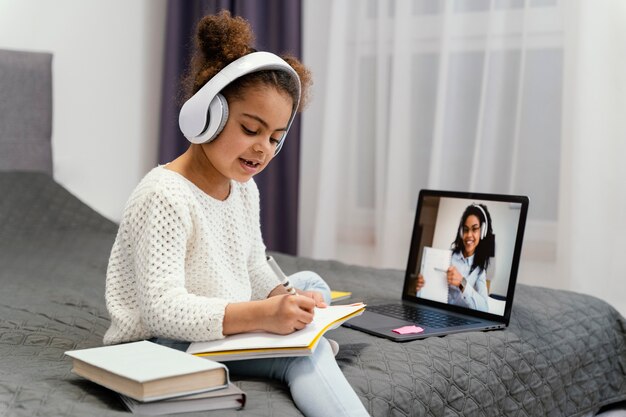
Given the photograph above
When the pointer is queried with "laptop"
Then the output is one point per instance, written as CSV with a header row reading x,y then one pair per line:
x,y
465,252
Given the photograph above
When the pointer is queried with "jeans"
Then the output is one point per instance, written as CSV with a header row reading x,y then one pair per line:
x,y
317,384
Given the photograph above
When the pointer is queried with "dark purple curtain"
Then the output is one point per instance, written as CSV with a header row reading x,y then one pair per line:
x,y
277,26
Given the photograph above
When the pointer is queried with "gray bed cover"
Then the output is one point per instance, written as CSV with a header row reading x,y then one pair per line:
x,y
564,354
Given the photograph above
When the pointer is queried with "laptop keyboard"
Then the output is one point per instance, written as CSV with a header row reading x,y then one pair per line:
x,y
423,317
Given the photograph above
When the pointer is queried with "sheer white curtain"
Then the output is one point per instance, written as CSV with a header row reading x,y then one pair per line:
x,y
592,215
452,94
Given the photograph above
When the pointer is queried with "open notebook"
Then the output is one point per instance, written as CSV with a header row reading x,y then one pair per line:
x,y
478,236
255,345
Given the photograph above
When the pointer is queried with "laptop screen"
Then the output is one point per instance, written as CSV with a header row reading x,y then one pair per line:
x,y
465,251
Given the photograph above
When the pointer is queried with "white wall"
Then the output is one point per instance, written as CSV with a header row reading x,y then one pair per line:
x,y
107,68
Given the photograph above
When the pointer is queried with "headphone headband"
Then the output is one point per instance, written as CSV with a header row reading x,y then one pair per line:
x,y
197,120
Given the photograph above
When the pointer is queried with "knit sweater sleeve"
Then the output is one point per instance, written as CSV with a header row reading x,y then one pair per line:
x,y
152,248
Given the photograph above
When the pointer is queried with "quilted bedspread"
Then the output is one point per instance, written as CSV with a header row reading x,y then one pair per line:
x,y
564,354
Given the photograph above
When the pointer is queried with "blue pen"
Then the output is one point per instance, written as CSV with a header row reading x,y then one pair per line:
x,y
281,275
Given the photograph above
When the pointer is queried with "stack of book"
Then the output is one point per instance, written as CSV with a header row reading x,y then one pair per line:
x,y
154,380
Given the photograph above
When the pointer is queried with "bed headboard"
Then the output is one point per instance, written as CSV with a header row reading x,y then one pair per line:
x,y
25,111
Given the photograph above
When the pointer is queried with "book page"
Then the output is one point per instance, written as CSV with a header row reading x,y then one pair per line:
x,y
435,263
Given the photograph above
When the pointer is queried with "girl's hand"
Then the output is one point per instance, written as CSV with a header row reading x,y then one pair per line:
x,y
315,295
281,314
454,277
285,314
419,284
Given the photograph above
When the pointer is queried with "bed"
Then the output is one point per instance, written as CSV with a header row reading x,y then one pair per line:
x,y
564,354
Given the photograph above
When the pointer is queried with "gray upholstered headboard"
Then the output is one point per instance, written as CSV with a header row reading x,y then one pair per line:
x,y
25,111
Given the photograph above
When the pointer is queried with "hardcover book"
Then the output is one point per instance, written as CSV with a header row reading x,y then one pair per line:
x,y
146,371
231,397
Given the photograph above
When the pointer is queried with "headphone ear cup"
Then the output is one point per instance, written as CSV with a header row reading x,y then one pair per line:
x,y
217,117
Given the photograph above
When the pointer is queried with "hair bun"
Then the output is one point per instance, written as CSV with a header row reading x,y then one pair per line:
x,y
223,38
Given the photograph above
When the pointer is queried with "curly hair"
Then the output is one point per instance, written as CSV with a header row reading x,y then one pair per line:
x,y
221,39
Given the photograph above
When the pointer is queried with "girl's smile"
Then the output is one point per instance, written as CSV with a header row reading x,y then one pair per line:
x,y
250,165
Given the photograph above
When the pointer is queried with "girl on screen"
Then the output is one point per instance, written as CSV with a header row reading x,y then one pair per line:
x,y
473,246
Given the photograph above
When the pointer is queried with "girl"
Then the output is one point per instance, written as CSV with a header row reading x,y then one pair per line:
x,y
472,248
189,264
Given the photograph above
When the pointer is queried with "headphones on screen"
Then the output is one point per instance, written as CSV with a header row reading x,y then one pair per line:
x,y
204,115
483,227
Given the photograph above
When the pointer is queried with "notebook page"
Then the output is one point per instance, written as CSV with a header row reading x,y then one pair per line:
x,y
435,263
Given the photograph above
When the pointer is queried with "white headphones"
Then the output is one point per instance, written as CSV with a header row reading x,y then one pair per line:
x,y
483,227
204,115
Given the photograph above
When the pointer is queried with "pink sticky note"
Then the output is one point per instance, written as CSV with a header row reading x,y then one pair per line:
x,y
408,330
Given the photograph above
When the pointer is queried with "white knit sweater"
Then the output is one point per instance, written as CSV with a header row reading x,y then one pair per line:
x,y
180,257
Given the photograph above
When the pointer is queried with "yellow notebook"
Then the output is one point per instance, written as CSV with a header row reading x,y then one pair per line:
x,y
339,295
255,345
